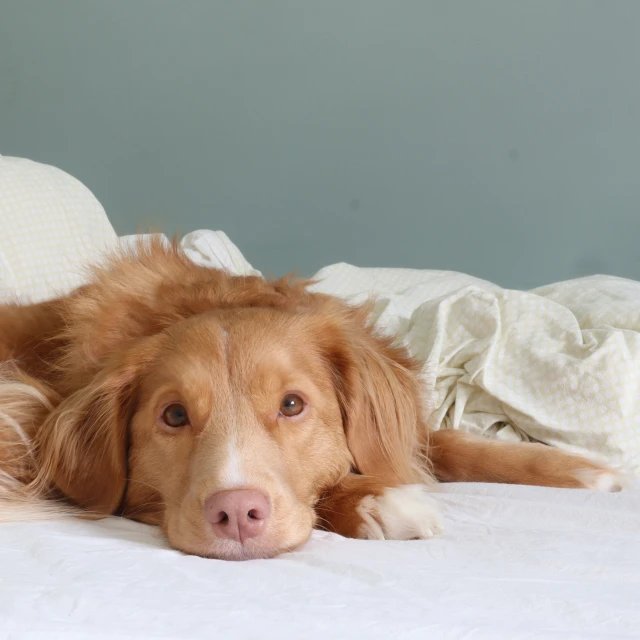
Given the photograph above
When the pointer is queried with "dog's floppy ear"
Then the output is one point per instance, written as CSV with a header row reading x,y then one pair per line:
x,y
380,397
82,446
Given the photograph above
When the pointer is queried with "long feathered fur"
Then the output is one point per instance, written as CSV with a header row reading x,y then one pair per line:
x,y
60,348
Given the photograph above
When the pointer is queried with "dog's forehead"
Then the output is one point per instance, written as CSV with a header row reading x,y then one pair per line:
x,y
243,340
215,359
196,339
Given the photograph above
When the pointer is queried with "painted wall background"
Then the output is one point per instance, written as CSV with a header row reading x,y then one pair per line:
x,y
498,138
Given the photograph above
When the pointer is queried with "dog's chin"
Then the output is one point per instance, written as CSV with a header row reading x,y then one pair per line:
x,y
232,550
251,549
237,551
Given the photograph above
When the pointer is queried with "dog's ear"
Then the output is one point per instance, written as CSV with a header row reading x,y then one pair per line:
x,y
380,397
82,446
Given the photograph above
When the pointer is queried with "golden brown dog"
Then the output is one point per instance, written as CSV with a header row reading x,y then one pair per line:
x,y
235,413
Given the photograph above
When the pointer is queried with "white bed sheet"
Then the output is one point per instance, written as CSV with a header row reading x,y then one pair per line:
x,y
514,562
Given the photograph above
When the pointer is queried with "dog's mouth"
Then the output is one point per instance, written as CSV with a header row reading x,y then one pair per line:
x,y
237,551
212,547
241,552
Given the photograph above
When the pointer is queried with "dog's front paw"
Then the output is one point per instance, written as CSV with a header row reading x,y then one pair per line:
x,y
399,513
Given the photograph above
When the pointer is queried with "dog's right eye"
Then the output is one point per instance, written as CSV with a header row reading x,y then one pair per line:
x,y
175,416
292,405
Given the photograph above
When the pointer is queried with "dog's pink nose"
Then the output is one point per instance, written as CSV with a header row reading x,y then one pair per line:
x,y
237,514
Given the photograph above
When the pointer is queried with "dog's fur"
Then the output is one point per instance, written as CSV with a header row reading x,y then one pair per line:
x,y
86,378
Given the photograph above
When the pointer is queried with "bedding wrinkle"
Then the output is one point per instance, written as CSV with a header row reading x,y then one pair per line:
x,y
558,365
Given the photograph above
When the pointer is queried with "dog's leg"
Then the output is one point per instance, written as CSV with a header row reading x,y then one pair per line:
x,y
460,457
363,507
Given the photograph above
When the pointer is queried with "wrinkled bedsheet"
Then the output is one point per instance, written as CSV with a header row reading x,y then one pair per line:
x,y
560,364
513,563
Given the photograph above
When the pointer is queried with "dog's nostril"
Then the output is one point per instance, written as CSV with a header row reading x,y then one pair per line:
x,y
221,517
238,514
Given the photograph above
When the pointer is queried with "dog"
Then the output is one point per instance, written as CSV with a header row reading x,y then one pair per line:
x,y
235,413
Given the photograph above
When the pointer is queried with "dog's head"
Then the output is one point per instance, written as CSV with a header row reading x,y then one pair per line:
x,y
223,412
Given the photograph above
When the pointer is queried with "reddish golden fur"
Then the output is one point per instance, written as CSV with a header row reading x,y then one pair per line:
x,y
87,375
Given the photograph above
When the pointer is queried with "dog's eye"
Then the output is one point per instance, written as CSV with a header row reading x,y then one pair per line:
x,y
292,405
175,415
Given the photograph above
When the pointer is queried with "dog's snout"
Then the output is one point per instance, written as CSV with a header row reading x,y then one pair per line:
x,y
237,514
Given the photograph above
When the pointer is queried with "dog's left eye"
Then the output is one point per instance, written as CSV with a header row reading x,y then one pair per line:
x,y
292,405
175,416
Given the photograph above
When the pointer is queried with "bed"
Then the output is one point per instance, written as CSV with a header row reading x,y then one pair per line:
x,y
558,365
514,562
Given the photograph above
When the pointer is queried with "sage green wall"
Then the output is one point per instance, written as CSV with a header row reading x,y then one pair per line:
x,y
495,137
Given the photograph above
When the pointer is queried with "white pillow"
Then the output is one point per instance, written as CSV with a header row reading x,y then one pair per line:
x,y
50,226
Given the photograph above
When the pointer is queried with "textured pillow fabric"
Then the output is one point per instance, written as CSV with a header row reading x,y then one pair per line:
x,y
51,225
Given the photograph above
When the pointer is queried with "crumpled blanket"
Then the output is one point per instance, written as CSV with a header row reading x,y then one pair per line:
x,y
559,364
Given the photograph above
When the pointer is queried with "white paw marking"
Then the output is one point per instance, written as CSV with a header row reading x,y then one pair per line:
x,y
400,513
602,479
